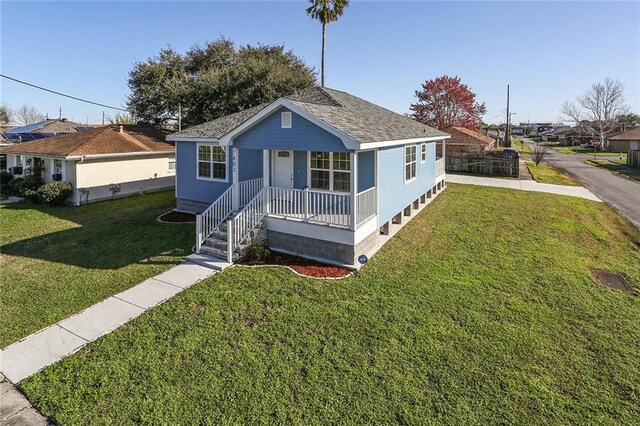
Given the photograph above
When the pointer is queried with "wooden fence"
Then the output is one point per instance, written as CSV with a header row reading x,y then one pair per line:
x,y
633,158
493,164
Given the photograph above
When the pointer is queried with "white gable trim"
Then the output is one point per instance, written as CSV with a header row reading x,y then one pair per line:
x,y
348,142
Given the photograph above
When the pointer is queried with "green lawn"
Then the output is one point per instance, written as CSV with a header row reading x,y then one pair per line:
x,y
481,310
547,174
589,151
616,166
57,261
520,146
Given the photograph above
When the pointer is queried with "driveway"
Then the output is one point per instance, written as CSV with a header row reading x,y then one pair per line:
x,y
619,192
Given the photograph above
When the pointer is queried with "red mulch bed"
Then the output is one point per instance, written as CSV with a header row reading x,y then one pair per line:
x,y
302,266
178,217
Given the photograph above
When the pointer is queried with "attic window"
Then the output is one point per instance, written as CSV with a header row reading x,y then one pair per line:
x,y
286,120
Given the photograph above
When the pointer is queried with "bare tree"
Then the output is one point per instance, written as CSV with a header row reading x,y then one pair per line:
x,y
596,111
538,153
6,115
28,114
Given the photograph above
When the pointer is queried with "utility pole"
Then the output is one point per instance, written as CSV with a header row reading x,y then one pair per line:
x,y
103,118
179,117
507,136
60,113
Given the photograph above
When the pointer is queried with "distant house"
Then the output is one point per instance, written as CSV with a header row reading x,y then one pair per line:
x,y
42,129
572,136
624,142
465,140
328,176
100,163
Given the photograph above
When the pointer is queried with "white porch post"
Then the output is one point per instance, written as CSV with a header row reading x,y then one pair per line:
x,y
265,167
265,180
376,183
235,192
354,188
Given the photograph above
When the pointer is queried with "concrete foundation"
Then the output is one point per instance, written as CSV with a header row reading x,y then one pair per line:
x,y
312,248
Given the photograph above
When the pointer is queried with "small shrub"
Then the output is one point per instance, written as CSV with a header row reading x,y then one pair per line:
x,y
55,193
32,182
257,252
31,195
15,186
5,178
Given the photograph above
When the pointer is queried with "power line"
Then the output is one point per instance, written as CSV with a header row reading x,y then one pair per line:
x,y
62,94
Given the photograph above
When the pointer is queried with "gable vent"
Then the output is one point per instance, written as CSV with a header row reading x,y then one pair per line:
x,y
286,120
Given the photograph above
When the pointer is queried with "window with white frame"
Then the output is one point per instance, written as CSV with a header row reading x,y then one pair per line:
x,y
18,160
330,171
423,153
409,163
212,162
57,166
172,163
285,119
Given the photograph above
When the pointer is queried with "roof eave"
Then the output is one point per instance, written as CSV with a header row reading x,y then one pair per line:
x,y
384,144
172,138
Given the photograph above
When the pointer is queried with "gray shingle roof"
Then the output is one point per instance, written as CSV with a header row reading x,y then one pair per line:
x,y
220,126
361,120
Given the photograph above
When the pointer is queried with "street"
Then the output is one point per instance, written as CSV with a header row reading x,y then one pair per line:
x,y
621,193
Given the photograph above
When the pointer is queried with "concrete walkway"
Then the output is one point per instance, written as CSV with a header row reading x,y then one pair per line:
x,y
15,409
47,346
524,185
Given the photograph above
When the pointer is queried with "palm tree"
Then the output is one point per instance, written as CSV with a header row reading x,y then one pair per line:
x,y
326,11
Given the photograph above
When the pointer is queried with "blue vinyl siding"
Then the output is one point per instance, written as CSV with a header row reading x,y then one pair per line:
x,y
299,169
188,187
250,164
396,194
366,166
302,136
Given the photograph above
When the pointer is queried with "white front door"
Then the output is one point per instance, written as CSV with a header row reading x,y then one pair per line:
x,y
283,169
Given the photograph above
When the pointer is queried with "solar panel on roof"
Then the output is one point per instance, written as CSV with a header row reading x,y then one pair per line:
x,y
29,127
83,128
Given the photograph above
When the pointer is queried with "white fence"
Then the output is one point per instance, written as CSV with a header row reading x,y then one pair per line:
x,y
440,166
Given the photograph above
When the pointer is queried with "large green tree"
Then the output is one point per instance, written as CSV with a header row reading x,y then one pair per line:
x,y
213,80
326,11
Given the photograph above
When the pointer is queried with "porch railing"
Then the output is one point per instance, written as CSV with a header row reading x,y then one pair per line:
x,y
440,166
313,206
239,228
210,219
248,190
366,205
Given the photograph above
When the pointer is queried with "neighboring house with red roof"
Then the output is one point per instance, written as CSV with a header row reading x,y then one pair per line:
x,y
100,163
465,140
624,142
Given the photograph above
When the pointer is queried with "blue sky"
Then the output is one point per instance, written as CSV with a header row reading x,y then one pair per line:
x,y
382,51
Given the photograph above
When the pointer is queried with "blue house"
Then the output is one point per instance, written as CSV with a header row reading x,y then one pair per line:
x,y
321,174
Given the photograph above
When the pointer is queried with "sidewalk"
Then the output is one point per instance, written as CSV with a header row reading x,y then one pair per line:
x,y
524,185
49,345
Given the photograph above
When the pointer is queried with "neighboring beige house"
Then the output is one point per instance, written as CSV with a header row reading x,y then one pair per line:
x,y
625,142
465,140
106,162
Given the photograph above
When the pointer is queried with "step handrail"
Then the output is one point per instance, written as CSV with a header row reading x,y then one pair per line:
x,y
209,220
239,228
